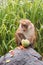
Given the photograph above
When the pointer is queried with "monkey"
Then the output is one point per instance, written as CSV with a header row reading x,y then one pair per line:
x,y
26,30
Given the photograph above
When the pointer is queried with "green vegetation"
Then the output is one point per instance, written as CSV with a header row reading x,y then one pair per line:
x,y
9,22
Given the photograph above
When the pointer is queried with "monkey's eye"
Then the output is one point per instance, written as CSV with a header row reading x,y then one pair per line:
x,y
24,26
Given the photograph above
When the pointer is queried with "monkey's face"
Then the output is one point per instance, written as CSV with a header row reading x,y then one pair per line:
x,y
24,24
24,27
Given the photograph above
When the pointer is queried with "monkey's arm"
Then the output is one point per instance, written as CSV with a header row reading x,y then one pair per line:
x,y
19,36
18,39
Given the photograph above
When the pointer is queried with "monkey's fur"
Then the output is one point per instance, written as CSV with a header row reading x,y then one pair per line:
x,y
26,30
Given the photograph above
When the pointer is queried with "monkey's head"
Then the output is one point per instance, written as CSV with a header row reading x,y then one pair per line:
x,y
24,24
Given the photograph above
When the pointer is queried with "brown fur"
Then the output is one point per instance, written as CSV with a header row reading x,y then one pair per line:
x,y
26,33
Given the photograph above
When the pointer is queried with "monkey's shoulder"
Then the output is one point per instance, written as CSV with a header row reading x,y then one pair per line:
x,y
18,30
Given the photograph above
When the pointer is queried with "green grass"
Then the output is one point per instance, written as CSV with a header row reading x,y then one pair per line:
x,y
9,22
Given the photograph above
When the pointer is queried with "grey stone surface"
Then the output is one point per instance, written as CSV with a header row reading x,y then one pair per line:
x,y
22,57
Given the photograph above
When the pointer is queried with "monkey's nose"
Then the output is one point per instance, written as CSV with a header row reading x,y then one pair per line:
x,y
24,29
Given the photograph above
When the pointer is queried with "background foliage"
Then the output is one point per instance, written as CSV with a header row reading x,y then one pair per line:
x,y
11,13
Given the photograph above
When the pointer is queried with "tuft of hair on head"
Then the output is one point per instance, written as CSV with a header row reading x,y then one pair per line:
x,y
25,21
